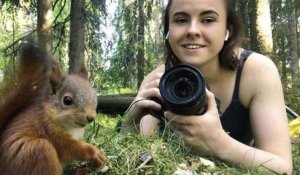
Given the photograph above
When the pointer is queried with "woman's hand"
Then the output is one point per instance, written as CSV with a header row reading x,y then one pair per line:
x,y
202,133
149,88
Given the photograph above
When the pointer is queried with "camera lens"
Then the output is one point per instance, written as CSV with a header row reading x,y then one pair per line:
x,y
183,90
181,85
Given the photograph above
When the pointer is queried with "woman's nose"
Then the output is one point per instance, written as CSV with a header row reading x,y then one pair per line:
x,y
194,29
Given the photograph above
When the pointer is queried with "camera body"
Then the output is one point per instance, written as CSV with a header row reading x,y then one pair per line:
x,y
182,88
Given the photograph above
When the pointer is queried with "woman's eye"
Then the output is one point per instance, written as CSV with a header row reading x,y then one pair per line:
x,y
181,20
67,100
208,20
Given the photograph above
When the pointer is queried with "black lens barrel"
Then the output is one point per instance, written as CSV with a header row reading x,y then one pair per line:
x,y
182,88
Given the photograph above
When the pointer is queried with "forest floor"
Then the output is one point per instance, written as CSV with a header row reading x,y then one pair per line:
x,y
132,154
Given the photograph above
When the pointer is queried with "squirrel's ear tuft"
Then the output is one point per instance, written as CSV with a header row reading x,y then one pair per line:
x,y
56,76
30,52
83,73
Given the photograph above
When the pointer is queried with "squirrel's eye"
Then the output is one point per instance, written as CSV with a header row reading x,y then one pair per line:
x,y
68,100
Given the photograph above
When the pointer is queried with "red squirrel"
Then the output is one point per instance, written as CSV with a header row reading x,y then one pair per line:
x,y
43,113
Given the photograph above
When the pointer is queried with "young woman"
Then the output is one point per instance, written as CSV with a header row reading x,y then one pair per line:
x,y
206,34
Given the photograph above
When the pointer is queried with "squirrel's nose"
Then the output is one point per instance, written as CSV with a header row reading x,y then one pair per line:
x,y
90,118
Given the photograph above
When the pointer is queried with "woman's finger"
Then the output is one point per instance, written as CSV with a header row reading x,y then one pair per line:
x,y
185,120
211,101
147,103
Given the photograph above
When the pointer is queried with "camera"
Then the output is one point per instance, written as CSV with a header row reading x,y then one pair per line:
x,y
182,88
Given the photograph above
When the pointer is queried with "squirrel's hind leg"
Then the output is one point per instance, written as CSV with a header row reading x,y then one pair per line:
x,y
36,157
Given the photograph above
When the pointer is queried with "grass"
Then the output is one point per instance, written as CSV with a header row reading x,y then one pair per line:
x,y
125,151
296,155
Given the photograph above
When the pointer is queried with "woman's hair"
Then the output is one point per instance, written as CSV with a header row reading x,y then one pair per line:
x,y
227,56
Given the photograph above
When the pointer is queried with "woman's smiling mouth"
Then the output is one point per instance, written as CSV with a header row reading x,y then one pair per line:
x,y
193,46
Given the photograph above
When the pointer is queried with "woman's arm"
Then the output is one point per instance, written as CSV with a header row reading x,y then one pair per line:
x,y
267,114
272,149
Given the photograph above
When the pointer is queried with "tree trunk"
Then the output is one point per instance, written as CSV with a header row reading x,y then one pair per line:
x,y
293,47
284,72
44,24
260,28
243,10
140,54
77,31
114,104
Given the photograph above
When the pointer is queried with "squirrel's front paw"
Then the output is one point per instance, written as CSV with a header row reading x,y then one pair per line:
x,y
95,156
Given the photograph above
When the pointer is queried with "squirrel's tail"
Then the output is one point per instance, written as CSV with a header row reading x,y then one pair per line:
x,y
33,82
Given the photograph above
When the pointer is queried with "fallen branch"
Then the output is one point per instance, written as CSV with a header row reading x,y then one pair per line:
x,y
114,104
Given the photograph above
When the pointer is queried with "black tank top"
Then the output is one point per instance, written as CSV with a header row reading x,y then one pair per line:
x,y
235,118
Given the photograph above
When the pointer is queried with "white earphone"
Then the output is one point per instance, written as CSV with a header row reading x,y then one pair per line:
x,y
167,36
226,35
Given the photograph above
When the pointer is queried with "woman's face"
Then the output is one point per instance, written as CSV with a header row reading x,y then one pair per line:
x,y
197,30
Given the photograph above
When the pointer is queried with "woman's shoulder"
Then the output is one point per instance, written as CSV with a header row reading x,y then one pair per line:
x,y
259,75
258,63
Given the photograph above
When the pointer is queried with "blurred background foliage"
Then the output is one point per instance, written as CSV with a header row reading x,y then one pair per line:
x,y
123,39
